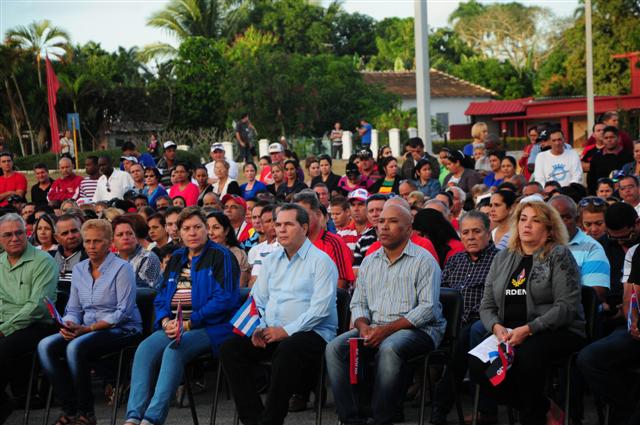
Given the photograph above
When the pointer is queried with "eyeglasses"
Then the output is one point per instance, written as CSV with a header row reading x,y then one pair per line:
x,y
591,200
9,235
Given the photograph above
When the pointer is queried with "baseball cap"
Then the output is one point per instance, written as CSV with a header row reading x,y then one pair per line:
x,y
365,154
217,147
358,195
543,136
275,148
129,158
235,198
169,144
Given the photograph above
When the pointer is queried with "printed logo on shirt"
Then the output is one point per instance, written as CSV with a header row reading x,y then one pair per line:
x,y
558,173
520,280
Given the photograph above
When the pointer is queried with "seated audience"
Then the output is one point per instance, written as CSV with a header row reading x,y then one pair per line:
x,y
432,225
220,231
146,264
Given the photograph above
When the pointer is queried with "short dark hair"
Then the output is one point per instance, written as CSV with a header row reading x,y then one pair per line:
x,y
377,197
230,240
269,208
629,176
309,197
552,183
507,186
499,154
155,171
172,210
620,215
40,166
534,183
248,164
415,142
302,217
320,184
128,146
159,217
608,115
340,201
325,157
266,158
610,129
190,212
140,226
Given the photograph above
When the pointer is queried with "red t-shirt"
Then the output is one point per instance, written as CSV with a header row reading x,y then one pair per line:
x,y
455,246
418,240
16,181
341,255
190,193
65,188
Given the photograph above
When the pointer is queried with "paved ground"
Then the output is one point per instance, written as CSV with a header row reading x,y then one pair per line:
x,y
182,416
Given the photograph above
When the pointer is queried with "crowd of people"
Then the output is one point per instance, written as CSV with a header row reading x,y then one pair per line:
x,y
519,239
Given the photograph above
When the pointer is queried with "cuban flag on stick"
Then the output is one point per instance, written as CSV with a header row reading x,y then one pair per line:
x,y
634,310
247,319
53,312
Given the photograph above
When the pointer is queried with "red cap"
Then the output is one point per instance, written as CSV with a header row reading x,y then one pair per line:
x,y
237,199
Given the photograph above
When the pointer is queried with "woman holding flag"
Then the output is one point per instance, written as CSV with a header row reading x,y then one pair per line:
x,y
192,311
101,317
532,305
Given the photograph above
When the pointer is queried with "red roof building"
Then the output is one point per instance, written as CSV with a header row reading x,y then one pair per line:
x,y
515,116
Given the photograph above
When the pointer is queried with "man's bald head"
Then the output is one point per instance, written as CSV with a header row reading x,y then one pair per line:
x,y
399,211
399,202
394,226
66,166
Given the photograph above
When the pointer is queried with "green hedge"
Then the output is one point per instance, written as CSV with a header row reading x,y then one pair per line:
x,y
49,159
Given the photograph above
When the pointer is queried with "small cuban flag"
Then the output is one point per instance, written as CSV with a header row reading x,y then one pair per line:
x,y
53,312
634,310
179,323
247,319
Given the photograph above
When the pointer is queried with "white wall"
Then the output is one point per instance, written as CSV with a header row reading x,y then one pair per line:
x,y
455,106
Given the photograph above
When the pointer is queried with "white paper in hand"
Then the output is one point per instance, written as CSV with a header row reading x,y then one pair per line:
x,y
487,350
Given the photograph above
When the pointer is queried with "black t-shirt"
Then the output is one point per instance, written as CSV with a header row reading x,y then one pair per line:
x,y
245,131
515,300
602,165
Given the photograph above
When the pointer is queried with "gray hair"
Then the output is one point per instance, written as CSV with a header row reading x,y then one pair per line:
x,y
461,193
12,217
477,215
66,159
573,207
302,217
445,207
309,197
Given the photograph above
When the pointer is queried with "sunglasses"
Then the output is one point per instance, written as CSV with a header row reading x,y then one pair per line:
x,y
592,200
627,238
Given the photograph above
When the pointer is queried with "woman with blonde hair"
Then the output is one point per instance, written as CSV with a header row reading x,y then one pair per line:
x,y
532,302
479,134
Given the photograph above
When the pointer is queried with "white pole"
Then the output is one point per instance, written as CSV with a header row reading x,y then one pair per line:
x,y
423,85
347,141
589,54
394,142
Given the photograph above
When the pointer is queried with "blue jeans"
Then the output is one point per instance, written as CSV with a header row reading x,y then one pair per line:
x,y
67,366
158,367
605,366
388,386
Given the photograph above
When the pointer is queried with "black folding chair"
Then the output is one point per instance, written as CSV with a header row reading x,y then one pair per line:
x,y
452,308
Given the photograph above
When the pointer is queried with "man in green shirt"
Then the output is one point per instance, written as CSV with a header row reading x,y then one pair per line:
x,y
27,275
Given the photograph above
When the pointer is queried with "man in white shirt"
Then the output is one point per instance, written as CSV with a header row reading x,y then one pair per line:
x,y
112,183
558,164
218,153
260,251
630,191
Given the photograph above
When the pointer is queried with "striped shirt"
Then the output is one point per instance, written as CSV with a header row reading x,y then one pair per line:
x,y
368,238
335,248
349,235
182,296
592,260
88,188
628,263
257,254
407,288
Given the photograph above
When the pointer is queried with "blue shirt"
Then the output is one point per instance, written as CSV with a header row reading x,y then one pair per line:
x,y
111,298
145,160
592,260
258,186
153,196
298,294
365,139
490,180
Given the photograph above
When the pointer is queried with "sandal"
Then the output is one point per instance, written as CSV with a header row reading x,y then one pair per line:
x,y
65,420
86,420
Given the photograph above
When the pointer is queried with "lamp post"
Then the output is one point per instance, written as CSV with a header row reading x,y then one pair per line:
x,y
589,60
423,85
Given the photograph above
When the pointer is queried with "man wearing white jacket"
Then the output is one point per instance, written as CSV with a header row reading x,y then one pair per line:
x,y
558,164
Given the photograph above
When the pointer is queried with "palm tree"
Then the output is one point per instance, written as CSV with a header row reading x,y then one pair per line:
x,y
40,38
182,19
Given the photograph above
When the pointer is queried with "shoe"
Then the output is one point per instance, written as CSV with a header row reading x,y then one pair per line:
x,y
297,403
438,416
483,419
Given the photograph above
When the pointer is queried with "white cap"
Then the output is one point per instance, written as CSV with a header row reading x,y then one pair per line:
x,y
217,147
276,148
170,144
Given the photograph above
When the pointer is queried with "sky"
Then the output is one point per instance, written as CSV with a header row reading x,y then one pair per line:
x,y
115,23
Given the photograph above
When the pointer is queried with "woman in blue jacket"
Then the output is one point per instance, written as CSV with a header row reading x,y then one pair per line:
x,y
203,279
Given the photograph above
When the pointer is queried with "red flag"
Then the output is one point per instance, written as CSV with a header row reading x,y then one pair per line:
x,y
52,89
